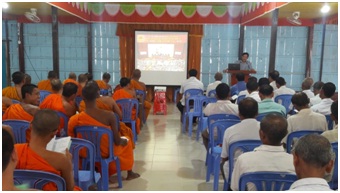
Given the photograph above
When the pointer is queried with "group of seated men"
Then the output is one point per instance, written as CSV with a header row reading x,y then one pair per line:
x,y
311,107
93,110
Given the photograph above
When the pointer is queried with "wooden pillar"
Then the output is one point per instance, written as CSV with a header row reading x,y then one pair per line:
x,y
21,47
309,51
241,42
8,61
89,48
322,47
55,40
273,37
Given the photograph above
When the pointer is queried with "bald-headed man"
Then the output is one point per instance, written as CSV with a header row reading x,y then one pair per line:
x,y
98,117
57,86
306,85
218,80
46,84
72,77
104,83
34,156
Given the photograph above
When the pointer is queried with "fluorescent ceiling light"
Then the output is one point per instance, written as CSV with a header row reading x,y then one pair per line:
x,y
325,9
4,5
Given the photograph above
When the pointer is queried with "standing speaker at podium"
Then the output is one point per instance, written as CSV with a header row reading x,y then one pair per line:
x,y
244,63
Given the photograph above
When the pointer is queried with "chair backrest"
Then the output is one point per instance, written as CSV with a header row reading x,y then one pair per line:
x,y
240,98
64,131
260,116
19,128
334,181
329,122
192,92
141,93
126,106
195,104
37,179
175,94
15,101
212,93
104,92
88,163
78,100
94,134
267,181
285,100
296,135
43,95
217,129
216,117
243,146
207,100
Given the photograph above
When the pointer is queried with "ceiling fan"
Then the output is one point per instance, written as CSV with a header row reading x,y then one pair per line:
x,y
32,16
294,19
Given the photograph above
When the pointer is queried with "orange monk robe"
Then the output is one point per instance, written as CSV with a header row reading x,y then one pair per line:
x,y
75,82
30,160
11,92
124,153
147,105
54,102
16,112
45,85
122,94
123,130
102,84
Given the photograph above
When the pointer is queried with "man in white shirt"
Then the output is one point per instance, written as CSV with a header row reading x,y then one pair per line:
x,y
191,83
218,80
269,157
306,85
316,90
272,78
332,135
282,89
252,88
248,128
222,106
305,119
312,156
324,107
245,92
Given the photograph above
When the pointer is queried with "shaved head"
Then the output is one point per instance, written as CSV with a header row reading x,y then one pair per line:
x,y
90,91
72,75
45,122
136,73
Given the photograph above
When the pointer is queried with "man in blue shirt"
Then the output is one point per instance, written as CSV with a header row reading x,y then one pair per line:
x,y
244,63
267,104
239,86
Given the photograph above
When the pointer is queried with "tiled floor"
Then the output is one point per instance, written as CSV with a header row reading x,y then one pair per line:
x,y
166,159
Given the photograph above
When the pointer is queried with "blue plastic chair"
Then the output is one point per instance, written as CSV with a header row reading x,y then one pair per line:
x,y
240,98
175,94
244,146
78,100
191,111
334,181
37,179
203,120
143,96
260,116
86,176
104,92
212,93
19,128
43,95
127,105
267,181
214,151
63,132
94,134
15,101
285,100
296,135
329,122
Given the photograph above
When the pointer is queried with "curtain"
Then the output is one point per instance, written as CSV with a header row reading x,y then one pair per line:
x,y
126,33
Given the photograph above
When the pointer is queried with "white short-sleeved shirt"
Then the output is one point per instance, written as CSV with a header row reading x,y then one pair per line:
x,y
244,92
310,184
246,129
273,84
212,86
221,106
283,90
190,83
324,107
331,135
315,100
265,158
309,93
255,95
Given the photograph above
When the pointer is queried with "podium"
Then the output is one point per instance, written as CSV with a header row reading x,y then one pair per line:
x,y
232,74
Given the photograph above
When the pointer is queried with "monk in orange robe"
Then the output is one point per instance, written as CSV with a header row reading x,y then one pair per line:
x,y
64,103
27,108
14,92
82,80
72,77
97,117
108,104
104,84
6,102
46,84
34,156
127,93
138,85
57,86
